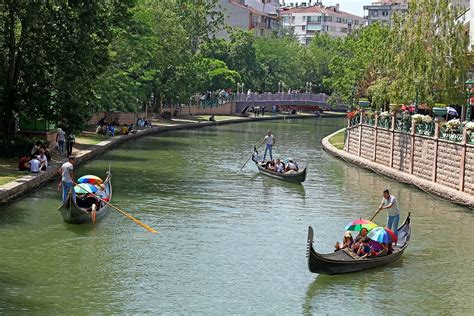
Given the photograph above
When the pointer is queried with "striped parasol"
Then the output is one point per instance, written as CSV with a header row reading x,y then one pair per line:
x,y
90,179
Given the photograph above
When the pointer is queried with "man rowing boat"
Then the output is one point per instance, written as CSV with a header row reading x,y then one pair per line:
x,y
269,140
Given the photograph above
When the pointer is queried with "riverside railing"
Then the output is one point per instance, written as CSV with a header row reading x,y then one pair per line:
x,y
430,149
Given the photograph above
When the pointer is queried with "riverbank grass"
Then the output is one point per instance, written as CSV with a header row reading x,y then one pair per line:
x,y
337,140
9,170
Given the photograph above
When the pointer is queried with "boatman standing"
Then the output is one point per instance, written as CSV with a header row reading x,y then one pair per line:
x,y
269,140
67,178
389,203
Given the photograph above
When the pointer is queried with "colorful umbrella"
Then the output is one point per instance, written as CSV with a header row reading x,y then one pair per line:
x,y
382,235
90,179
358,224
83,188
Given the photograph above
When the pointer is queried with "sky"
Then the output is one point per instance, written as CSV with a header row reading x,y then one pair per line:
x,y
351,6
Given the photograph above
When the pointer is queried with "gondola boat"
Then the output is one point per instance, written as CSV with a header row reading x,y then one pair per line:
x,y
345,261
79,211
298,177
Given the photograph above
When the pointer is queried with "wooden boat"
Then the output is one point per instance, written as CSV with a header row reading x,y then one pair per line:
x,y
79,211
345,261
298,177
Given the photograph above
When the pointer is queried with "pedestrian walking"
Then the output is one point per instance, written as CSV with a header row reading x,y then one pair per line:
x,y
60,139
71,139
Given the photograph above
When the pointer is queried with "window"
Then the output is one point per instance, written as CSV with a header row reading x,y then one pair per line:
x,y
304,18
375,13
338,20
385,13
356,22
292,20
303,28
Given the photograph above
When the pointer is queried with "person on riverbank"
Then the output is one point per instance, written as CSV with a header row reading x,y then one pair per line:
x,y
60,139
34,164
67,178
71,139
269,141
43,160
389,203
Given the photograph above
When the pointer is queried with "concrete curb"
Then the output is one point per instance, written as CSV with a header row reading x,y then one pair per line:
x,y
436,189
23,185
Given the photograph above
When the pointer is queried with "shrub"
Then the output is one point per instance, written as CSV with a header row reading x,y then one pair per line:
x,y
18,146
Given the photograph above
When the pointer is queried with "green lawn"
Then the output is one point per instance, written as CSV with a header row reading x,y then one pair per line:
x,y
9,170
338,140
90,139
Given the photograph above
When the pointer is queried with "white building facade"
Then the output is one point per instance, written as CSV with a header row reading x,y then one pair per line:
x,y
308,21
260,16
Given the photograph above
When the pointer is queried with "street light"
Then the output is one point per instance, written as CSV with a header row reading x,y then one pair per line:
x,y
469,84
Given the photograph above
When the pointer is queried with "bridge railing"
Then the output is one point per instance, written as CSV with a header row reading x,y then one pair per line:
x,y
265,97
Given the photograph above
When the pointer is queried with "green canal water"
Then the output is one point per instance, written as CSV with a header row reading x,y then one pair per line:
x,y
229,242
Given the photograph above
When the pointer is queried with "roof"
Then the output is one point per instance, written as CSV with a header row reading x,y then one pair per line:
x,y
318,9
250,9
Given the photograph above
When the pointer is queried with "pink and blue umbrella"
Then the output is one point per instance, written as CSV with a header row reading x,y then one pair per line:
x,y
90,179
382,235
83,188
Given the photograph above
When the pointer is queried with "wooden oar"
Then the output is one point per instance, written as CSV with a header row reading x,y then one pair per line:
x,y
374,215
122,212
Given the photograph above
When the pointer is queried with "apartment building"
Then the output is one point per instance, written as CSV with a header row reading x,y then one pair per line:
x,y
260,16
306,21
382,10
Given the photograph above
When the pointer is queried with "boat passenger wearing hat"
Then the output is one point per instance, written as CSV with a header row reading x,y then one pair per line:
x,y
346,242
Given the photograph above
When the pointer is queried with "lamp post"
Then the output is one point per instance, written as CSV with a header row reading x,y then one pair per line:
x,y
469,85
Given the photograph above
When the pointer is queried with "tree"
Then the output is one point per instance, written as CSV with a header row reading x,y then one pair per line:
x,y
52,52
429,59
281,60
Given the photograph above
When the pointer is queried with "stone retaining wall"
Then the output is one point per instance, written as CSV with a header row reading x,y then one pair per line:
x,y
448,163
465,198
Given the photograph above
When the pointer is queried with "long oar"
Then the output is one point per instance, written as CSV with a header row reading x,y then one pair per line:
x,y
122,212
255,148
375,214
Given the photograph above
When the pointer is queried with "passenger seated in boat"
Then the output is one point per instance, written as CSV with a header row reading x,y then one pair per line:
x,y
358,239
270,165
279,166
291,166
364,248
346,242
377,249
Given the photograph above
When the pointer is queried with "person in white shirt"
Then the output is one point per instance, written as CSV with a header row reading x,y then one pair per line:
x,y
269,140
34,164
67,178
43,160
389,203
291,165
279,166
60,139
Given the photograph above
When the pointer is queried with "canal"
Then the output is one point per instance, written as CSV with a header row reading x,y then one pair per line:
x,y
229,242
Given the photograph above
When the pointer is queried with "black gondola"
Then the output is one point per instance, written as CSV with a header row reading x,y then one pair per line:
x,y
345,261
298,177
79,211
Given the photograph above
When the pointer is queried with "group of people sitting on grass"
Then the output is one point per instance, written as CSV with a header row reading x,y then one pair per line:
x,y
277,165
363,246
37,160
